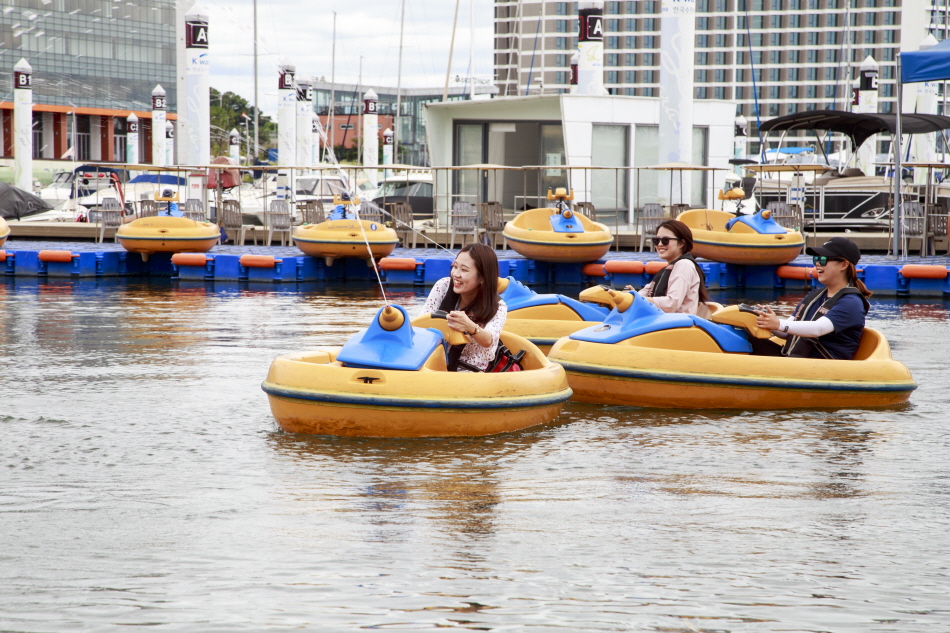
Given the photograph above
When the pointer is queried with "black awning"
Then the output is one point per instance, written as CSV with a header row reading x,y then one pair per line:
x,y
859,127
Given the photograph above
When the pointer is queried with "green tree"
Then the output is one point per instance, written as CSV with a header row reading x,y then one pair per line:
x,y
226,111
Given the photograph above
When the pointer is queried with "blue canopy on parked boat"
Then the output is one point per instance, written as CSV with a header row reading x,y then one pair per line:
x,y
932,64
160,179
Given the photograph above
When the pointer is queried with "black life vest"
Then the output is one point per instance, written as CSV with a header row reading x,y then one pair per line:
x,y
662,279
801,347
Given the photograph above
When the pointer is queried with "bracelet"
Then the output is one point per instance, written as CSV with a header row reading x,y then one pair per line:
x,y
475,333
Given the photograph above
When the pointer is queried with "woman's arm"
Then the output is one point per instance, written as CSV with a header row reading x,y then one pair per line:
x,y
768,320
491,333
436,295
807,329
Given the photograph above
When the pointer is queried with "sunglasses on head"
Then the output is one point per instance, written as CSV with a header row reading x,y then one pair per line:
x,y
665,241
824,259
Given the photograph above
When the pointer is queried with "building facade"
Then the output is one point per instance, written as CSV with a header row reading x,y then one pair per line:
x,y
94,62
348,100
771,57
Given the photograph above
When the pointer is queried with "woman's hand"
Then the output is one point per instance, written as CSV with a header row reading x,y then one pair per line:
x,y
460,322
766,319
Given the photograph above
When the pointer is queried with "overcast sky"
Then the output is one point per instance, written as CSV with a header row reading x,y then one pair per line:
x,y
301,33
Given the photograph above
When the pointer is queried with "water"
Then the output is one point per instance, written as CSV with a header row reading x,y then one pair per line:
x,y
145,484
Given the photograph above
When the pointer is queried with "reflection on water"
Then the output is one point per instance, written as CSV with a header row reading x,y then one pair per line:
x,y
146,484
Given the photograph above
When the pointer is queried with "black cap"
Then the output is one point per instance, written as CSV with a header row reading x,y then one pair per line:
x,y
837,247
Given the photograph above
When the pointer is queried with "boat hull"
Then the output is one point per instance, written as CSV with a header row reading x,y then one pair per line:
x,y
164,234
4,231
741,246
531,235
311,393
647,377
337,239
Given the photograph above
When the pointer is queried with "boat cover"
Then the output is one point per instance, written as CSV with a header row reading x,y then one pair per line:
x,y
16,203
159,179
859,127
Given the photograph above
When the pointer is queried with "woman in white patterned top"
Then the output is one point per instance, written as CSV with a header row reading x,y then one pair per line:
x,y
470,296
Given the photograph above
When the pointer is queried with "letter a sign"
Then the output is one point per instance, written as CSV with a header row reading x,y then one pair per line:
x,y
595,27
196,35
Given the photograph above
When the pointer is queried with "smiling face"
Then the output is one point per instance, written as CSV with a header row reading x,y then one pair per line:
x,y
465,278
672,250
832,274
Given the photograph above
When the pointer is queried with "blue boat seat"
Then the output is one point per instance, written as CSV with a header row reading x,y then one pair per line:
x,y
641,317
585,311
406,348
517,296
763,226
560,224
727,338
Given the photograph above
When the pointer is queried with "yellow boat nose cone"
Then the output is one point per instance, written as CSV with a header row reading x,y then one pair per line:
x,y
391,319
622,300
766,214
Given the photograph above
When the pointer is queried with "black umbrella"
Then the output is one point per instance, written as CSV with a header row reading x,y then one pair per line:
x,y
16,203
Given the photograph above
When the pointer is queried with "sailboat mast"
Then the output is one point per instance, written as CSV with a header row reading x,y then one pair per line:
x,y
402,28
332,88
256,109
448,67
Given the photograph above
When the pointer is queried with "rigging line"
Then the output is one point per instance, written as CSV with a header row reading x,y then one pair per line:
x,y
407,225
369,251
834,101
527,86
755,90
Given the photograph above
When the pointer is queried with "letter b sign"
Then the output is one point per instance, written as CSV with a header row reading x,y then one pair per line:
x,y
23,80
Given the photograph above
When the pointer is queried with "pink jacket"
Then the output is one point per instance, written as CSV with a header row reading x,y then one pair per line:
x,y
682,291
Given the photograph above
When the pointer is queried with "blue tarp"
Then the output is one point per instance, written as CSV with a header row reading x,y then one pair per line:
x,y
932,64
163,179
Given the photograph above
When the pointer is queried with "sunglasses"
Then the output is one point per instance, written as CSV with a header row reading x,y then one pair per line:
x,y
822,260
665,241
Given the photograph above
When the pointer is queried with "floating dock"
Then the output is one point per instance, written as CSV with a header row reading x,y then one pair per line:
x,y
917,276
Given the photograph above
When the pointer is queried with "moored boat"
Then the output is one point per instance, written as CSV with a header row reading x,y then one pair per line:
x,y
558,235
390,380
641,356
4,231
167,234
747,239
345,235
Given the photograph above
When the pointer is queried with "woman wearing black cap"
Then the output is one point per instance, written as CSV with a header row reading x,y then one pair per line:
x,y
828,323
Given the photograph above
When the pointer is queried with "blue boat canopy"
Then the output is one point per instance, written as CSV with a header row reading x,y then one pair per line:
x,y
159,179
932,64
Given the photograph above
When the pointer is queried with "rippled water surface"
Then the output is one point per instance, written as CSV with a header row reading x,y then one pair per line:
x,y
144,483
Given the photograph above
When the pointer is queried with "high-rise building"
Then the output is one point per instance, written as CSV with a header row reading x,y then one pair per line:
x,y
94,62
771,57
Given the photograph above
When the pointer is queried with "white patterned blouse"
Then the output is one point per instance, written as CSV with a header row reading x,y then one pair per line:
x,y
472,353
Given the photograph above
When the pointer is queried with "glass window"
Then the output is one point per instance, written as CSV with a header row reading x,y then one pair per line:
x,y
552,153
701,92
647,152
469,150
609,149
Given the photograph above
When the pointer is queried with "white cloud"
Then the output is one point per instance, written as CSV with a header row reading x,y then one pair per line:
x,y
301,33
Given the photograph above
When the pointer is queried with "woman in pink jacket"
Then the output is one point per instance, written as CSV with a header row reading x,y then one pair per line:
x,y
681,286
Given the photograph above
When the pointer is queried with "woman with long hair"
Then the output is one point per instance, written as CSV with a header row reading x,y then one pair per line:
x,y
470,297
681,286
829,322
